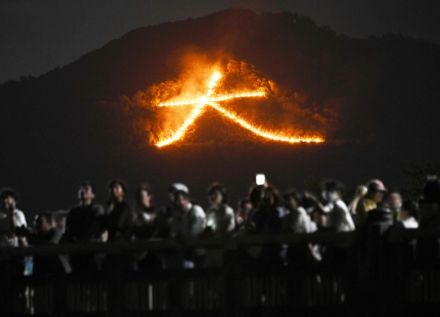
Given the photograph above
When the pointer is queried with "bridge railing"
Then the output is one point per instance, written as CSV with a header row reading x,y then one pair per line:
x,y
346,282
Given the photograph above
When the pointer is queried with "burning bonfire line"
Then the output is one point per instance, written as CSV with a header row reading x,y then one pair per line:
x,y
211,100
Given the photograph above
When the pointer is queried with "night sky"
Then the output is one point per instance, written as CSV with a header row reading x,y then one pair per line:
x,y
39,35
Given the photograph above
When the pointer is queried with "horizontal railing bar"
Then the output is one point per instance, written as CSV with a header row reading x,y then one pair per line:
x,y
342,239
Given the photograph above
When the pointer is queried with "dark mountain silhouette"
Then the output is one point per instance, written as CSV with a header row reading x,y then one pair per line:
x,y
69,125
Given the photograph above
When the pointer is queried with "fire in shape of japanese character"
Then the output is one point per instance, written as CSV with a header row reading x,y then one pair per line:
x,y
207,96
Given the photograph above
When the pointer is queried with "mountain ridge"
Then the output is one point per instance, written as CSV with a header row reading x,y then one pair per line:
x,y
69,122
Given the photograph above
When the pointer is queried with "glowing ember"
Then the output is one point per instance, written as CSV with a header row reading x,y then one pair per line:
x,y
209,99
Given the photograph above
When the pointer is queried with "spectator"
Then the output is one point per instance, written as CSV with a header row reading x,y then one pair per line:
x,y
45,234
336,213
14,225
377,223
189,221
121,220
393,200
59,222
339,218
268,218
408,220
244,211
408,214
360,193
374,196
13,218
429,221
146,227
165,215
219,215
430,204
84,221
400,251
256,196
380,217
296,219
145,214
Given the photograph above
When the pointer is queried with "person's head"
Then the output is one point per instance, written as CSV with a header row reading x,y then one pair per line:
x,y
244,206
394,200
431,190
409,209
181,199
376,190
59,220
144,196
9,199
271,196
44,222
292,199
331,190
175,187
86,193
256,195
361,191
318,217
217,194
117,191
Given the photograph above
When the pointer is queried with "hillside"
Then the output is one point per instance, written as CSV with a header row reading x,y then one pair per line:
x,y
69,124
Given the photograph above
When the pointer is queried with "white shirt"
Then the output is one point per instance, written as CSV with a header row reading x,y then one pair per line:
x,y
220,219
188,223
18,218
410,223
299,221
339,216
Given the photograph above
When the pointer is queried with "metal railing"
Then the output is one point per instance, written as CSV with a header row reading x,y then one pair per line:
x,y
347,283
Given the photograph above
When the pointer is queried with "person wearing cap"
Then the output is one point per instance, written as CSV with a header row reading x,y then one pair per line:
x,y
375,195
165,214
189,221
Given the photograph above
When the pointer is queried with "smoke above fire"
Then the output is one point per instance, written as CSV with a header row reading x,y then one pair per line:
x,y
170,112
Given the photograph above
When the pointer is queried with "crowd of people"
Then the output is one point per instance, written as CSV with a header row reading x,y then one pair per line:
x,y
263,211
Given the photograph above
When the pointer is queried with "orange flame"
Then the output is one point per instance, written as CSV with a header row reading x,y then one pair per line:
x,y
209,99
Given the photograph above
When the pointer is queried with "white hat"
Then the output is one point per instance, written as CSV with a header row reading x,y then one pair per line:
x,y
180,187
